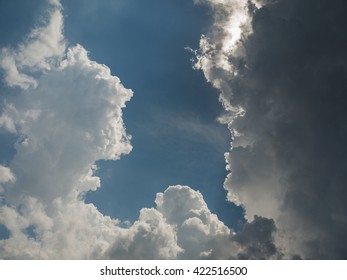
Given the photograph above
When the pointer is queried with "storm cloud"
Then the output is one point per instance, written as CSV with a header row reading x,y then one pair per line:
x,y
287,77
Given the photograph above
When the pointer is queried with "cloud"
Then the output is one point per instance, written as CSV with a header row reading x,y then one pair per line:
x,y
283,87
6,175
43,46
151,237
202,235
6,121
71,119
67,117
222,46
199,231
257,240
182,227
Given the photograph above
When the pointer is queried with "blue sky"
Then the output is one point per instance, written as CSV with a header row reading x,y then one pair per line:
x,y
172,116
117,117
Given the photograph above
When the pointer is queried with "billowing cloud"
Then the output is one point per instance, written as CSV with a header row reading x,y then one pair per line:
x,y
68,116
283,88
151,237
199,231
70,120
181,226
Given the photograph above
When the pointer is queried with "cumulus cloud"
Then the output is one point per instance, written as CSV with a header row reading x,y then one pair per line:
x,y
282,85
181,226
151,237
199,231
68,116
71,119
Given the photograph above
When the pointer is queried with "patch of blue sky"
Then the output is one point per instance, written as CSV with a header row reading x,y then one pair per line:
x,y
172,116
4,232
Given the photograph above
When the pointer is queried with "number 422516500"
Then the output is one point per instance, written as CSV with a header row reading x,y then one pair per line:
x,y
232,270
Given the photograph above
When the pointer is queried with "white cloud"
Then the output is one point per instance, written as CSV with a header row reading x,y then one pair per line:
x,y
6,175
67,118
203,236
151,237
69,230
43,47
13,76
7,122
222,44
181,226
77,121
199,232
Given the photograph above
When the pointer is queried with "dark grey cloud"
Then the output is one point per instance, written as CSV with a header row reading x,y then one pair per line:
x,y
257,240
294,93
288,161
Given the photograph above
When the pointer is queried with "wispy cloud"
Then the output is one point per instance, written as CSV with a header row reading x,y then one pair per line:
x,y
192,129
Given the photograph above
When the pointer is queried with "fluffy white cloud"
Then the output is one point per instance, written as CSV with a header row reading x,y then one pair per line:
x,y
151,237
68,117
69,230
71,119
181,226
199,232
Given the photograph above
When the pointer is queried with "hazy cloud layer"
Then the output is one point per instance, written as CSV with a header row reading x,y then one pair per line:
x,y
283,86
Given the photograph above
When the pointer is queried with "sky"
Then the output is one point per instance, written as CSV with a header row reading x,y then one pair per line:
x,y
177,129
172,115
